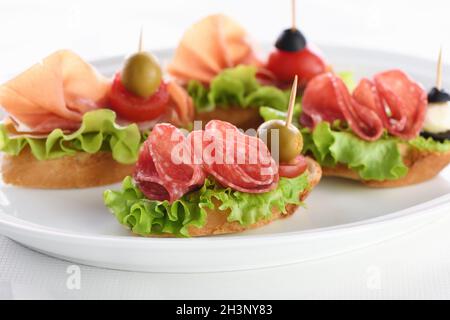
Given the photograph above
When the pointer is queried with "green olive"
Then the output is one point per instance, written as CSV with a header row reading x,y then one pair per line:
x,y
141,74
290,140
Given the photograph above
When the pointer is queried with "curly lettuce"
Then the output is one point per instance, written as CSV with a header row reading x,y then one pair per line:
x,y
98,132
430,145
376,160
236,86
148,217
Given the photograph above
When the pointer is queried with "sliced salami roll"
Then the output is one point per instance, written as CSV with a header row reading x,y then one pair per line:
x,y
236,160
392,101
406,101
326,98
162,171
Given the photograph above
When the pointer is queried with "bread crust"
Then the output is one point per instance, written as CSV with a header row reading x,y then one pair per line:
x,y
243,118
81,170
422,166
216,220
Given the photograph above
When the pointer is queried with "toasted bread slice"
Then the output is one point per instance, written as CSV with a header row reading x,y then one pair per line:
x,y
243,118
216,220
422,167
81,170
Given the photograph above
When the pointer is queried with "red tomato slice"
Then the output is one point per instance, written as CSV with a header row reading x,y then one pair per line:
x,y
304,63
298,166
134,108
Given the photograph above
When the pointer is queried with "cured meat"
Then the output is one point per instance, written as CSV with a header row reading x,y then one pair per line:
x,y
391,101
161,171
209,46
236,160
171,165
181,106
54,93
326,98
406,101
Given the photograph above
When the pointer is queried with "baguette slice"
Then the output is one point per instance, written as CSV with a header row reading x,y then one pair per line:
x,y
81,170
244,118
422,166
217,223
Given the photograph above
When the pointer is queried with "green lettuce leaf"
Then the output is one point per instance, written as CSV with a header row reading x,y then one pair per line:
x,y
268,96
430,144
236,87
268,113
98,132
232,85
147,217
199,95
377,160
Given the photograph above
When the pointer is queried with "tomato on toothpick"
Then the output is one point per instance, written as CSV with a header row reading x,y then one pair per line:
x,y
134,108
138,92
293,169
293,56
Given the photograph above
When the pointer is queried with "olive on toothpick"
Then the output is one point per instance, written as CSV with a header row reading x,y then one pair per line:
x,y
437,117
290,140
438,94
291,39
141,74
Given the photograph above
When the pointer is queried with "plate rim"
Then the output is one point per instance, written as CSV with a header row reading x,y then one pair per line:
x,y
434,206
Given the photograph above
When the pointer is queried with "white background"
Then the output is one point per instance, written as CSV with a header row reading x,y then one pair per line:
x,y
413,266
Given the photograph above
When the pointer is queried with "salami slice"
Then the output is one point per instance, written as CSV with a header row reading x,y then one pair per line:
x,y
406,101
171,165
236,160
161,171
391,101
326,98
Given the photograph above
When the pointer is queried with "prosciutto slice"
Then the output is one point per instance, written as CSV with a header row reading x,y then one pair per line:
x,y
209,46
54,93
391,101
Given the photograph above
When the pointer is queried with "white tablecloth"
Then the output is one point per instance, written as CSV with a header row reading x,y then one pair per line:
x,y
416,265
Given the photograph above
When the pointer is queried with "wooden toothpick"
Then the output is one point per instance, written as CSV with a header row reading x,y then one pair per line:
x,y
141,39
292,102
439,71
293,15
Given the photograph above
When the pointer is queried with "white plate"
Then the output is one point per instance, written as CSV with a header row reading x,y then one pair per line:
x,y
340,215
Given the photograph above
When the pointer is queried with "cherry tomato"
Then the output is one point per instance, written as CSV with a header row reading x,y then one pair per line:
x,y
298,166
304,63
135,108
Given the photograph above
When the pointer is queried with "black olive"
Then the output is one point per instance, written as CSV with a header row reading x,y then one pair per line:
x,y
442,136
291,40
438,96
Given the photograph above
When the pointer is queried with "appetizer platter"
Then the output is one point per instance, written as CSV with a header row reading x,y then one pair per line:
x,y
222,144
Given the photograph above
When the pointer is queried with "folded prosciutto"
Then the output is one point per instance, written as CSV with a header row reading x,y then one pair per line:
x,y
54,93
390,101
209,46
